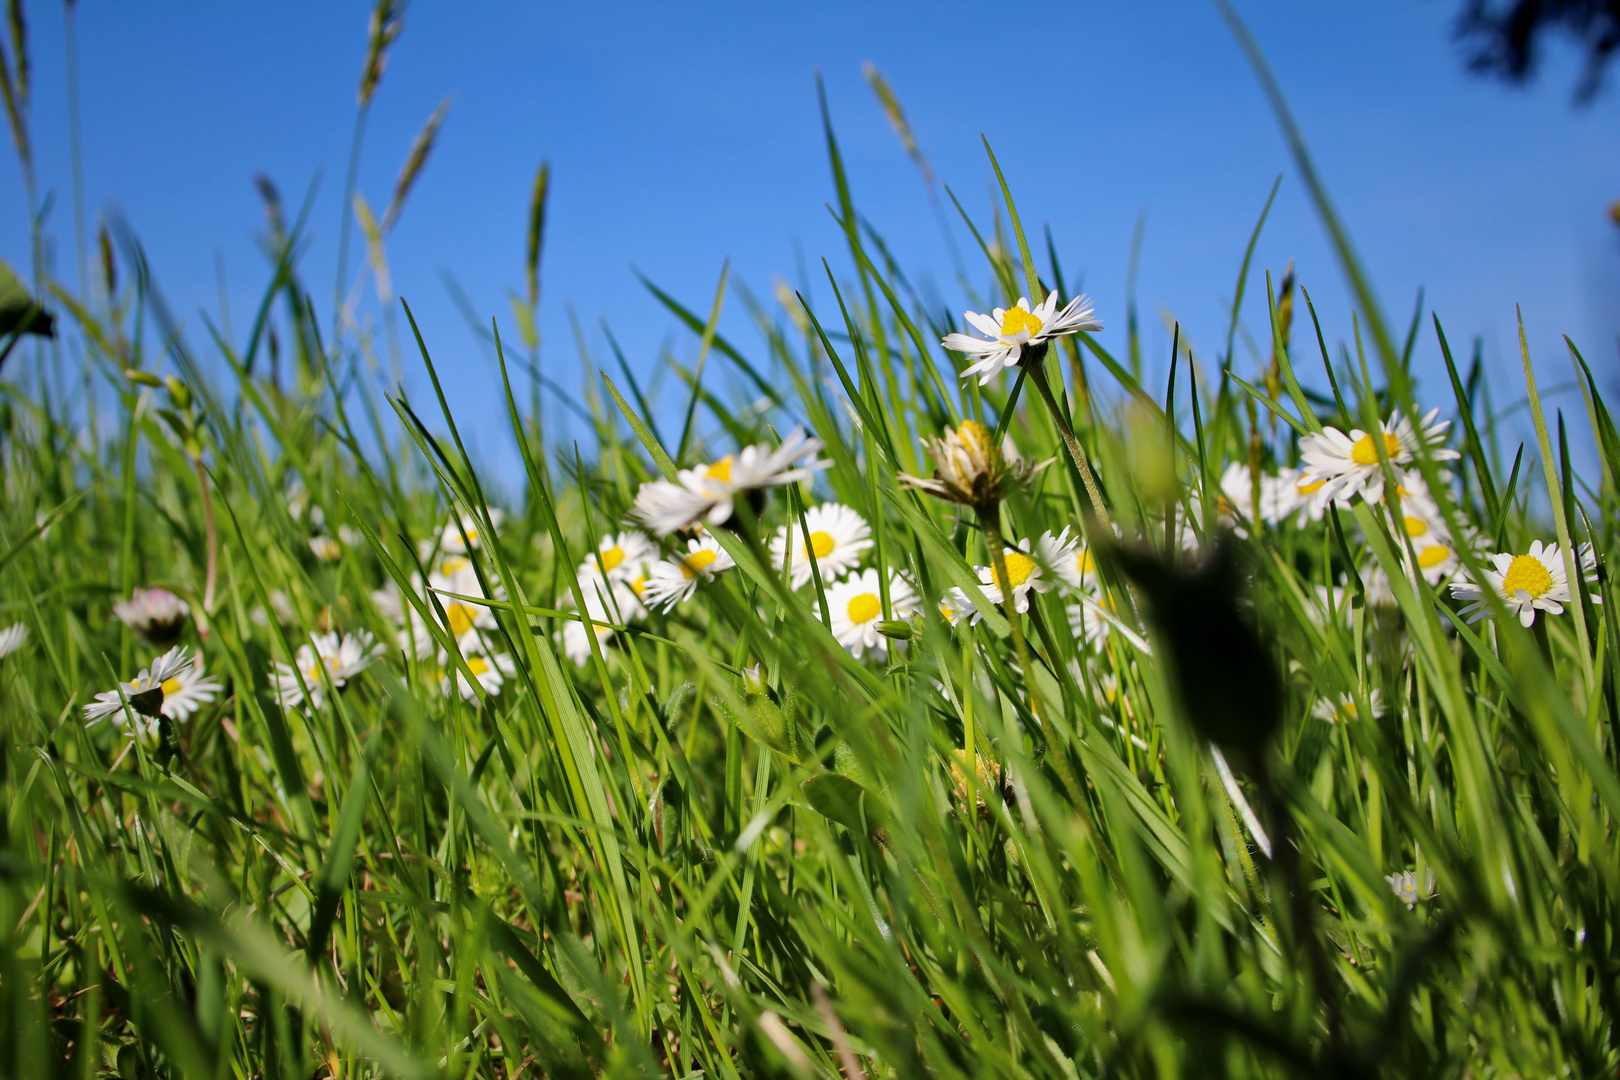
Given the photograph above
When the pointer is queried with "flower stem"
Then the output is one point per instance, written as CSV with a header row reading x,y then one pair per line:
x,y
989,522
1036,366
213,544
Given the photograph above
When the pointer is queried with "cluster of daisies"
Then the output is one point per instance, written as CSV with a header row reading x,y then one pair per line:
x,y
455,600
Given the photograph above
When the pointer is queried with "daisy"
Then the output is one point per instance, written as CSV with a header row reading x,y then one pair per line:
x,y
1347,465
145,692
620,605
156,614
465,620
1009,330
333,657
1525,583
969,468
1027,570
1092,619
618,556
461,534
1405,886
1344,707
838,536
11,639
186,692
1422,523
1234,505
856,607
669,581
326,548
490,672
707,493
954,606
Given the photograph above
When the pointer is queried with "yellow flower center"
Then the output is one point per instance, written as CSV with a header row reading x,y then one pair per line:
x,y
639,585
453,565
477,665
1527,573
461,618
698,560
1019,568
1433,556
864,608
170,686
1416,526
1015,319
1084,563
610,558
975,437
1364,452
1310,487
822,544
720,470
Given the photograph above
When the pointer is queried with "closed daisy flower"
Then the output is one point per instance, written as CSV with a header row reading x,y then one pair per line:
x,y
490,671
706,494
669,581
146,691
1528,583
156,614
328,657
856,607
1347,465
12,638
1009,330
838,536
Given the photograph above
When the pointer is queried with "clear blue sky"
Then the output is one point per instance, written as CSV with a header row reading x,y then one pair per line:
x,y
680,140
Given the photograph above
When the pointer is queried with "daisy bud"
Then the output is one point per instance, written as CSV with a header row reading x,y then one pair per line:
x,y
969,468
179,391
144,378
897,629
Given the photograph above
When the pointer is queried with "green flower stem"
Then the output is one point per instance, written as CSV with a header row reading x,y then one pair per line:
x,y
1035,364
989,521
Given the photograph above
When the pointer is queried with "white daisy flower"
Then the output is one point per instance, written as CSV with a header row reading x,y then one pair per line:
x,y
326,548
614,603
1093,619
351,536
490,671
156,614
12,638
1009,330
954,606
145,691
333,657
618,556
707,493
1527,583
1043,572
1347,465
856,607
461,534
1234,507
1405,886
1422,523
186,692
465,620
838,536
669,581
1344,707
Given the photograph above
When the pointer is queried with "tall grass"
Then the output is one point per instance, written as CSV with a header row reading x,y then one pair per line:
x,y
722,844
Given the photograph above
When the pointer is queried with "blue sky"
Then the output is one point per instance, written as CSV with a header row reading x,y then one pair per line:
x,y
680,139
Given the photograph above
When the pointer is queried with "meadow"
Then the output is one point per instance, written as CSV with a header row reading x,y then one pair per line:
x,y
896,696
